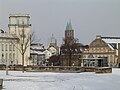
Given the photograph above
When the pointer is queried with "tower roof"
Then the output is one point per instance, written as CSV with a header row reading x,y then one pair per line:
x,y
69,26
98,42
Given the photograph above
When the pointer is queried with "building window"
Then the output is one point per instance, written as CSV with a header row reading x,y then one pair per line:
x,y
2,47
10,47
10,56
6,47
13,55
97,48
2,56
6,56
18,21
111,59
13,47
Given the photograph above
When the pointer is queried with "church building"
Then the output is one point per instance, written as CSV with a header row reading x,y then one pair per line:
x,y
70,50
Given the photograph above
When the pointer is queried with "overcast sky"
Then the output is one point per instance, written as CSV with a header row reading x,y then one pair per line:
x,y
88,17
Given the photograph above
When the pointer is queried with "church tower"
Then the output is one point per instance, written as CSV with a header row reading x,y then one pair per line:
x,y
18,22
70,49
53,41
69,33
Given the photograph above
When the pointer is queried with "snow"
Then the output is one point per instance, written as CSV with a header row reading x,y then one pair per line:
x,y
16,80
111,40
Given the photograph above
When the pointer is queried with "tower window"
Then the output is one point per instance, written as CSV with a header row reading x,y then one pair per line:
x,y
2,47
6,47
10,56
6,56
13,47
13,55
10,47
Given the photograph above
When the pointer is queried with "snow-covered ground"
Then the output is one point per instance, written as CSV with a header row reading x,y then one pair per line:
x,y
16,80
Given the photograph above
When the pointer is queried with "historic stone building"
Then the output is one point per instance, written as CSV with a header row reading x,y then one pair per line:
x,y
70,50
19,25
101,51
53,48
8,52
37,54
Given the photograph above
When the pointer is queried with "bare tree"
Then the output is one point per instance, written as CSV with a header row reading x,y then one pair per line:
x,y
69,47
24,41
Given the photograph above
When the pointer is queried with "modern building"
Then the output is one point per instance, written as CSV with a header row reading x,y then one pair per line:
x,y
114,44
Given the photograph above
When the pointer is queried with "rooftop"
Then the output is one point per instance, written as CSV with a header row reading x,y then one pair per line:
x,y
19,15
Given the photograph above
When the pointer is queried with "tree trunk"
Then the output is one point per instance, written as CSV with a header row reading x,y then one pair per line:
x,y
70,59
69,55
23,63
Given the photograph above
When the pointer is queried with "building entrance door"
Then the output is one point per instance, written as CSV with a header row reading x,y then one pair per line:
x,y
102,62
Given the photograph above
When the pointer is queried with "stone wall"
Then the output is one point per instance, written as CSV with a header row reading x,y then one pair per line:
x,y
60,69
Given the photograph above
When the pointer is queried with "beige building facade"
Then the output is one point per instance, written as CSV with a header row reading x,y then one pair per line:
x,y
19,25
99,49
8,51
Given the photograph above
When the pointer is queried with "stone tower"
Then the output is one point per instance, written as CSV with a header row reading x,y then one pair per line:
x,y
69,33
19,26
70,49
53,41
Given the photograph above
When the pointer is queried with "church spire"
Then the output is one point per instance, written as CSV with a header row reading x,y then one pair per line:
x,y
69,26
